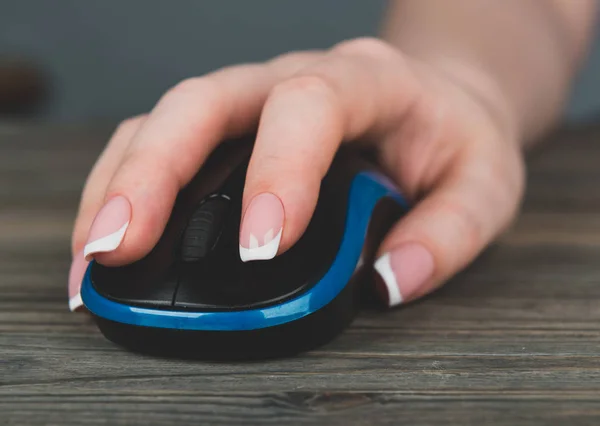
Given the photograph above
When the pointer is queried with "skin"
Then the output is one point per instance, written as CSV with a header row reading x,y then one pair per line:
x,y
449,97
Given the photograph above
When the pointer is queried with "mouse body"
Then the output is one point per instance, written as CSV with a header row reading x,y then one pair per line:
x,y
193,297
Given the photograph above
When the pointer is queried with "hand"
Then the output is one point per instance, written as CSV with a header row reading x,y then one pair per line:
x,y
441,130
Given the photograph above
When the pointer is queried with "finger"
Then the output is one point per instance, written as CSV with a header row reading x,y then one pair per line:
x,y
166,152
96,182
91,201
304,120
444,232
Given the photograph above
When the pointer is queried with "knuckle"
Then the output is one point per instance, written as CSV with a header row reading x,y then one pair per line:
x,y
130,124
197,87
295,60
366,46
275,164
504,181
188,85
282,170
467,223
203,97
315,90
304,84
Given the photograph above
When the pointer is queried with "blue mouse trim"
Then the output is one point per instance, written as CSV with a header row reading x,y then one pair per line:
x,y
366,190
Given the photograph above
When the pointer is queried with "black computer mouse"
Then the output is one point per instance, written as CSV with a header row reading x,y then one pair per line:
x,y
193,297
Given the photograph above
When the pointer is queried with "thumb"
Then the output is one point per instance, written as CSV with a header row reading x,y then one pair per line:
x,y
448,228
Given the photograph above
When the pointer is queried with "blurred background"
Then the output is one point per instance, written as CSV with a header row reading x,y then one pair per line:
x,y
74,60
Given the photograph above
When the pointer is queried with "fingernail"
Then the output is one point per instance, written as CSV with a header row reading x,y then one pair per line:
x,y
261,228
109,226
403,271
78,267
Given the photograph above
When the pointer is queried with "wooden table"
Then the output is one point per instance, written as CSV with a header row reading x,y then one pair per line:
x,y
514,340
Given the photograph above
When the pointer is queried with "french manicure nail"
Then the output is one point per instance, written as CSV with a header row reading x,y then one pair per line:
x,y
78,267
109,226
403,271
261,228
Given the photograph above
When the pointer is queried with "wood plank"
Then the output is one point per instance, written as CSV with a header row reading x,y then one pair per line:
x,y
514,339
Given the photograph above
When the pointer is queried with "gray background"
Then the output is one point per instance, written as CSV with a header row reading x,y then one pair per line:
x,y
114,58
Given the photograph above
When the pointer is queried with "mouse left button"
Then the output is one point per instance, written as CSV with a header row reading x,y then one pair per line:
x,y
145,284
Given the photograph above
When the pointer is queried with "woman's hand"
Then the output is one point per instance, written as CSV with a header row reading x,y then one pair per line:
x,y
441,130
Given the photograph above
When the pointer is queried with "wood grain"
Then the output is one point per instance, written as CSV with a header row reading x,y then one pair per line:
x,y
513,340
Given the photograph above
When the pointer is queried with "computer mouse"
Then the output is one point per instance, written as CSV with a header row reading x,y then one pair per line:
x,y
193,297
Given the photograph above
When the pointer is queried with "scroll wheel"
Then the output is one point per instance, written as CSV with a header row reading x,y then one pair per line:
x,y
204,228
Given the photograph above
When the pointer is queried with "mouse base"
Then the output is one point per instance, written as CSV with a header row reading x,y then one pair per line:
x,y
310,332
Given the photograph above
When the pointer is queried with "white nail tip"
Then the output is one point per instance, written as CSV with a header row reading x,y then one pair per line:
x,y
264,252
253,242
105,244
268,236
75,302
384,268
